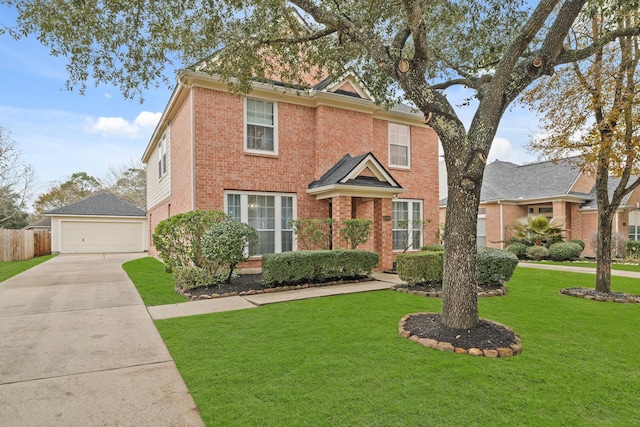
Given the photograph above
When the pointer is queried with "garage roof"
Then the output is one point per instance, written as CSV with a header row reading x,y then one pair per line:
x,y
99,204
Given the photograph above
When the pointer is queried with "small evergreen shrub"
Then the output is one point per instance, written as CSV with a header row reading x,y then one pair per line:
x,y
191,277
356,231
313,233
420,267
436,247
564,251
579,242
495,266
633,249
537,253
226,244
518,249
316,266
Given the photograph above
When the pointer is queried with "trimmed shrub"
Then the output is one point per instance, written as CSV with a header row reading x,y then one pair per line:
x,y
518,249
578,242
436,247
420,267
226,244
564,251
537,253
495,266
177,238
316,266
191,277
356,231
313,233
633,249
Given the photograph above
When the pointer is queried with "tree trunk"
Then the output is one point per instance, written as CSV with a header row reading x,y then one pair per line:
x,y
603,253
460,299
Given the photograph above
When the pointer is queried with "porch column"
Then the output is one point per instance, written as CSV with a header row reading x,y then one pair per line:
x,y
340,210
382,233
561,213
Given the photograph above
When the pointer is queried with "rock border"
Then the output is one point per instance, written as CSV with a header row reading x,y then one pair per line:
x,y
512,350
593,295
501,291
267,290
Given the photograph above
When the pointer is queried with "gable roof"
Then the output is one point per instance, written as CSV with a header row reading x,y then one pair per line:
x,y
592,203
508,181
42,223
99,204
361,173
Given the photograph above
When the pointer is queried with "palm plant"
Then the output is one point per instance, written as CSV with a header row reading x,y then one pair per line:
x,y
537,230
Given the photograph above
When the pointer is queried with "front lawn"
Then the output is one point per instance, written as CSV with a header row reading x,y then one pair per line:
x,y
154,285
12,268
339,361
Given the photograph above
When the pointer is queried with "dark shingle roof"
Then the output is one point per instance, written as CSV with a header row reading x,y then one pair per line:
x,y
103,204
592,203
344,167
508,181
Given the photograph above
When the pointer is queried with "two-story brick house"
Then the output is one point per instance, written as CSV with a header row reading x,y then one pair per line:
x,y
276,155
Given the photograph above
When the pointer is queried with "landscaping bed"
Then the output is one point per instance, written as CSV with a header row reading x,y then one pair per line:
x,y
592,294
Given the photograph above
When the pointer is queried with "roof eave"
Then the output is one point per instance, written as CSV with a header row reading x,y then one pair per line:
x,y
334,190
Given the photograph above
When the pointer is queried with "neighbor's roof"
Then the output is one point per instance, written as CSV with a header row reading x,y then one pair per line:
x,y
592,203
508,181
99,204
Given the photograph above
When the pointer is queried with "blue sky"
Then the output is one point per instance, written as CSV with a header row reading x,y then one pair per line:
x,y
60,132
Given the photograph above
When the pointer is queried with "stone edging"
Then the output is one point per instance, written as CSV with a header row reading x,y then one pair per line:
x,y
620,297
512,350
267,290
501,291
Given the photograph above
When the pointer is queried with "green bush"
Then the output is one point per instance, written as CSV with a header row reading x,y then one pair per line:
x,y
226,244
578,242
518,249
420,267
435,247
495,266
564,251
313,233
191,277
316,266
537,253
178,237
633,249
356,231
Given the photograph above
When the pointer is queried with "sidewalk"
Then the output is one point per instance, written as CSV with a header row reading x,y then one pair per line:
x,y
585,270
192,308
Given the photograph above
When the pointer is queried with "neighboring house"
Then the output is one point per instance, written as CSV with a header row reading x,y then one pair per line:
x,y
276,155
556,190
99,223
42,224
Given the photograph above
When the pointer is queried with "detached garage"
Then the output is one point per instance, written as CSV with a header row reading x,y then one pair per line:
x,y
99,223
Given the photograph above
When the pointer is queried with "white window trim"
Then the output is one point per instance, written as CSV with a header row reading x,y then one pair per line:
x,y
244,212
408,145
410,211
162,156
275,129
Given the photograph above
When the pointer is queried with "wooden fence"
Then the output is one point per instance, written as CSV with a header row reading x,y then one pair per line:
x,y
21,245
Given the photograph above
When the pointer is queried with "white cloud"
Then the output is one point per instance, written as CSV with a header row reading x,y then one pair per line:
x,y
503,150
107,95
118,126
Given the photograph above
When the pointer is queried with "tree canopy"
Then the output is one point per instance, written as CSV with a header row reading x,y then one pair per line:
x,y
16,182
408,49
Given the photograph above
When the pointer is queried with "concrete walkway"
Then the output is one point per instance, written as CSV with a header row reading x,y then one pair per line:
x,y
78,348
572,269
192,308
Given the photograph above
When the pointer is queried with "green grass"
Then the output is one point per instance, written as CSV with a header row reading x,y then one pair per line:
x,y
154,285
614,266
339,361
12,268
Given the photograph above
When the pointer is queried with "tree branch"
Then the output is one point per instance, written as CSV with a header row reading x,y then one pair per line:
x,y
579,54
308,38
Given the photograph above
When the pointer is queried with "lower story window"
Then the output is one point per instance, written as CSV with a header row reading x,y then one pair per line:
x,y
270,214
407,224
634,225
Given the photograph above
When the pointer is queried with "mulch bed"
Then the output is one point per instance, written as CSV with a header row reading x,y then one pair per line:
x,y
251,284
488,339
434,290
592,294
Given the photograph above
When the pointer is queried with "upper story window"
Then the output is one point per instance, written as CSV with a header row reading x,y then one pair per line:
x,y
261,129
399,145
162,156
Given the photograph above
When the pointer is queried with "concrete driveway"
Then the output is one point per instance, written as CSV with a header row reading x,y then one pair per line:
x,y
78,348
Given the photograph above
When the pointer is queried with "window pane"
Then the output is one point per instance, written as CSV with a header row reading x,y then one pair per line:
x,y
398,240
266,243
287,241
234,209
400,213
287,212
399,155
259,138
259,112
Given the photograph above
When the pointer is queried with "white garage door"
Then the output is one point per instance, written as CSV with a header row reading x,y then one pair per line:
x,y
87,237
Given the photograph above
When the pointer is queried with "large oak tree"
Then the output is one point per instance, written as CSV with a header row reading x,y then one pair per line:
x,y
410,48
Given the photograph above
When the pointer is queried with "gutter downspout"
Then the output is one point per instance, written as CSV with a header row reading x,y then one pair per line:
x,y
193,149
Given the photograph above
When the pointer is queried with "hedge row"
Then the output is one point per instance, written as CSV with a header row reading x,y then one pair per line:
x,y
494,266
316,266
